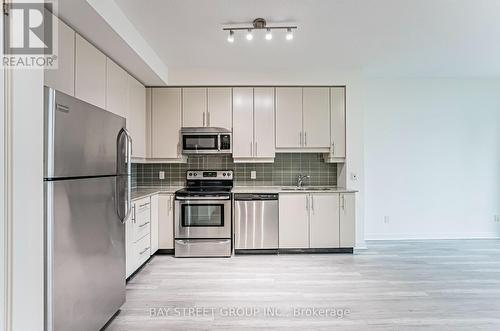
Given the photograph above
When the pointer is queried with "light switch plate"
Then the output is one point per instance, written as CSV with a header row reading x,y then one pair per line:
x,y
253,174
161,174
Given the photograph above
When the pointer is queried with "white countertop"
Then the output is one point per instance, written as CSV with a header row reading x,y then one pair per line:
x,y
142,192
288,189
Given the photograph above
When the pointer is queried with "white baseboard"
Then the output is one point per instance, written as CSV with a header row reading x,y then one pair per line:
x,y
423,236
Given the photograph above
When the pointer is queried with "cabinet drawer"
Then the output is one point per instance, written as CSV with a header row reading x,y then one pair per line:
x,y
143,248
143,205
142,228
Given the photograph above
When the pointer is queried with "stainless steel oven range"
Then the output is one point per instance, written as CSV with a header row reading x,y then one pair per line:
x,y
203,213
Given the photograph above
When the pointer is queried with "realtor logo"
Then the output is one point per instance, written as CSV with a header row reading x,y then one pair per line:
x,y
29,34
29,31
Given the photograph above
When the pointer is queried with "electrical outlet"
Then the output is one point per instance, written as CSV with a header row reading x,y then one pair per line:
x,y
253,174
386,219
354,176
161,174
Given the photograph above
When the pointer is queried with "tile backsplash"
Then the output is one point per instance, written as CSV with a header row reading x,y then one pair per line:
x,y
283,171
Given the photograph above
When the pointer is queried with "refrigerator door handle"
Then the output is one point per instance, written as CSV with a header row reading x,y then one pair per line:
x,y
123,208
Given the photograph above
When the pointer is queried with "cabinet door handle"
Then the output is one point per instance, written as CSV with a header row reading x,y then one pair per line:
x,y
251,149
305,138
343,202
300,138
307,202
144,224
133,218
255,154
203,118
208,118
143,251
333,147
312,203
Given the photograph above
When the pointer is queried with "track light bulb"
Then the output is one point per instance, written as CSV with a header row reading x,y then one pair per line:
x,y
230,38
249,35
289,34
269,35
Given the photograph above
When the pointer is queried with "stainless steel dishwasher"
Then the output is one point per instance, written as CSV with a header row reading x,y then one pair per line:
x,y
255,222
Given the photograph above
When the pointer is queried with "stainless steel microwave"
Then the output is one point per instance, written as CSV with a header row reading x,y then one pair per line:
x,y
206,141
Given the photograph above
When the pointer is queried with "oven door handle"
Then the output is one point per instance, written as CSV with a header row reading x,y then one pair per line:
x,y
203,198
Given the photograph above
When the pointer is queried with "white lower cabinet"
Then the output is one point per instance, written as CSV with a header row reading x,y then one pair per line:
x,y
154,223
316,220
324,229
293,220
166,221
138,235
347,220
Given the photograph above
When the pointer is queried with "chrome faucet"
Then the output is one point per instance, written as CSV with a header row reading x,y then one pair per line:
x,y
300,179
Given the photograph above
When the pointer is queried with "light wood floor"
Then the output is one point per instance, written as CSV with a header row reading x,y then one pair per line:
x,y
410,285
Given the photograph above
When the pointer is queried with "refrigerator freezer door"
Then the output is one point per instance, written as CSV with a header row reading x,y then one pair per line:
x,y
85,280
80,139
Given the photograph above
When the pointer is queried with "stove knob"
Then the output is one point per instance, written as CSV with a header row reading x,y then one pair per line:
x,y
190,174
223,174
195,174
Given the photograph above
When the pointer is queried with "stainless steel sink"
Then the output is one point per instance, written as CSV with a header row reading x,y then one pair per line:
x,y
307,188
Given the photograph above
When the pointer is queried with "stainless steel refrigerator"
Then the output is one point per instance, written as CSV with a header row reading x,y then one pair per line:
x,y
87,200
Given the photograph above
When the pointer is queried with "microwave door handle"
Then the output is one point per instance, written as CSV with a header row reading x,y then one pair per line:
x,y
218,142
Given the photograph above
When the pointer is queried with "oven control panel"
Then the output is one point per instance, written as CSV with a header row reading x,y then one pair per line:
x,y
209,174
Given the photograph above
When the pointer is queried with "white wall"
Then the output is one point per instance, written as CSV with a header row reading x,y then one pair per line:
x,y
432,158
3,262
27,197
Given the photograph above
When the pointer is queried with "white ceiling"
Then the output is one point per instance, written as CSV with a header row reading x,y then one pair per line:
x,y
429,38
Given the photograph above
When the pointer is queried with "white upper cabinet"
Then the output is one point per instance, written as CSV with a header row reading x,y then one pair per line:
x,y
194,107
324,224
136,119
117,89
316,115
347,220
338,123
62,78
264,137
165,123
219,113
289,117
253,124
90,73
243,122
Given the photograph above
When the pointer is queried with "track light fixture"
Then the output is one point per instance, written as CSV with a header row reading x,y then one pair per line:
x,y
259,24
